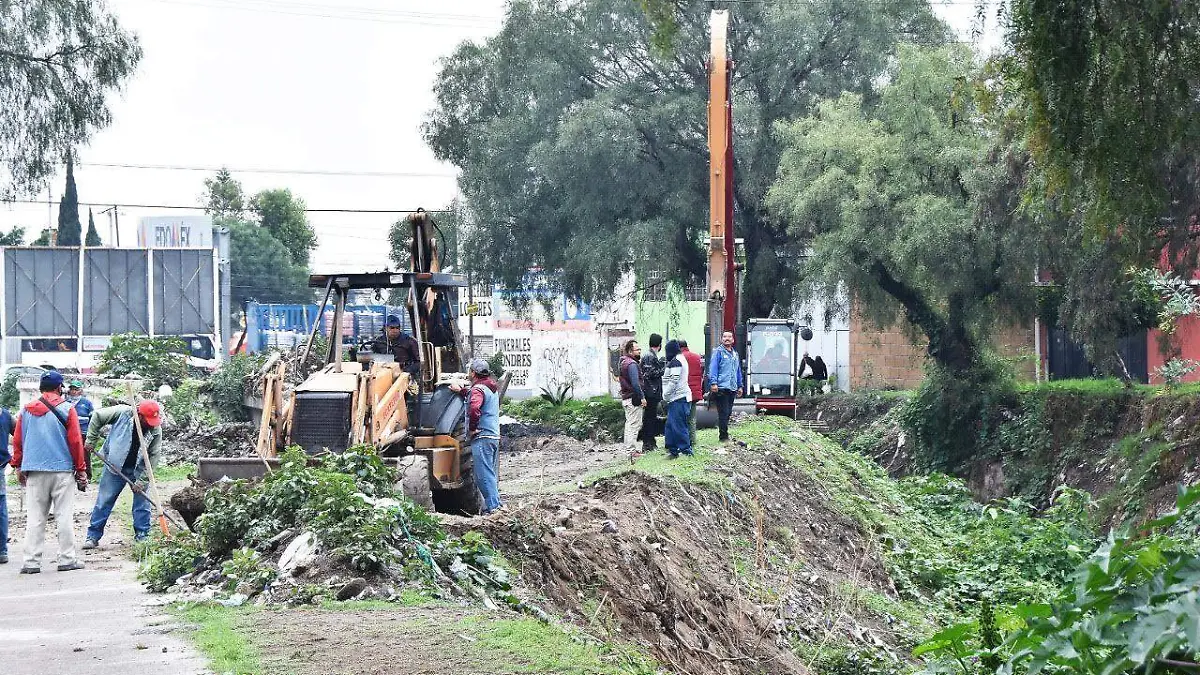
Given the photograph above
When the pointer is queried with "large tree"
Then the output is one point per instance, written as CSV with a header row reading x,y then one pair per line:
x,y
70,230
909,205
282,214
223,196
586,149
261,268
60,63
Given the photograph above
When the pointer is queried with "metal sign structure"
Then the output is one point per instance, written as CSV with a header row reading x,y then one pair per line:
x,y
85,293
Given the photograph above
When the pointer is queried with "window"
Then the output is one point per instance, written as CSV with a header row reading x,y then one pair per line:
x,y
696,290
655,289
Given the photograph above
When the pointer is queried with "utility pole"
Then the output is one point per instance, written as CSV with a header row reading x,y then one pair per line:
x,y
112,227
221,235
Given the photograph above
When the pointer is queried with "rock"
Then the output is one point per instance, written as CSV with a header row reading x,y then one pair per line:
x,y
609,527
208,577
564,517
299,554
351,588
278,539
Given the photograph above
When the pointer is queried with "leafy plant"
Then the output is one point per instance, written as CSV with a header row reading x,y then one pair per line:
x,y
1133,606
163,561
557,393
160,360
598,417
246,567
10,396
188,404
496,364
1172,372
227,386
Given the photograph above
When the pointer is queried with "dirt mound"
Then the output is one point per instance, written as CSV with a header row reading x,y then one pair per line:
x,y
188,444
722,577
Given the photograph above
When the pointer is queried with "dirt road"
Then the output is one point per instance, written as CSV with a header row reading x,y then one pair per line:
x,y
93,621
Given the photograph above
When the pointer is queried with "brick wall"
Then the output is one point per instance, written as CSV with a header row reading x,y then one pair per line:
x,y
889,359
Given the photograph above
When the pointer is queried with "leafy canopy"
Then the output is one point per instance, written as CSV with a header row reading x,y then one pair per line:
x,y
282,214
586,149
262,269
903,201
60,63
223,196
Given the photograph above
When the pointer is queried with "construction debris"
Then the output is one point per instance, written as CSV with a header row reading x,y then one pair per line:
x,y
188,444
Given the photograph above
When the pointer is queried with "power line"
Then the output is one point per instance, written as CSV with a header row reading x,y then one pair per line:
x,y
203,208
297,172
357,14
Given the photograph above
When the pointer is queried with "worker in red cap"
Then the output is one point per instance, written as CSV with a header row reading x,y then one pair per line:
x,y
123,449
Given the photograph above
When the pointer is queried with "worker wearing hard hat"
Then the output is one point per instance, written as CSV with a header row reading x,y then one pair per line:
x,y
402,346
123,450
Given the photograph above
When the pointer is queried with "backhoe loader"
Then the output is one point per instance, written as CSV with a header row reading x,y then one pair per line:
x,y
410,415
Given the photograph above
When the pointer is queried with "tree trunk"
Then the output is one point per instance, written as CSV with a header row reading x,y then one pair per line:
x,y
950,343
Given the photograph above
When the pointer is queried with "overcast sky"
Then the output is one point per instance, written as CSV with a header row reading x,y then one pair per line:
x,y
296,85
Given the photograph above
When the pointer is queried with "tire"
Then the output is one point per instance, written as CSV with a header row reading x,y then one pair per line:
x,y
463,501
413,480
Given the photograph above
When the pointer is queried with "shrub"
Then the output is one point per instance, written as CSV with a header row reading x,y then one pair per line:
x,y
160,360
600,417
246,567
163,561
227,386
10,397
188,404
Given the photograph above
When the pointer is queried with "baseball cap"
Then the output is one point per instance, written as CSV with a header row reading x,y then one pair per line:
x,y
480,367
77,384
150,412
51,379
393,321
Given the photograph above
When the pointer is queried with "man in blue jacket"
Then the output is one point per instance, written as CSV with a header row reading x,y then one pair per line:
x,y
6,430
83,405
725,376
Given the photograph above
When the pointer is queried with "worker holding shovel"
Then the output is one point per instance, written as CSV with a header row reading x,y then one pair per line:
x,y
123,451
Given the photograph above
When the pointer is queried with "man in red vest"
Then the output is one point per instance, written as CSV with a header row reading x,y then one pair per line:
x,y
695,383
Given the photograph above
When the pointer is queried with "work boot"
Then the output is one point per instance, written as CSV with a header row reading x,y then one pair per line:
x,y
70,566
140,537
30,570
90,544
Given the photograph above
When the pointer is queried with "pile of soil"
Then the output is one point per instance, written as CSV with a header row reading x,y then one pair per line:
x,y
188,444
706,579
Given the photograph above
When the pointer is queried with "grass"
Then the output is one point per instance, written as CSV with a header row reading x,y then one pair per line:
x,y
216,635
174,472
1106,386
408,597
694,470
531,646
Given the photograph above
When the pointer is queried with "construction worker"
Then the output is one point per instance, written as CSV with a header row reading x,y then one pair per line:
x,y
123,450
728,382
483,428
402,346
49,462
632,398
695,370
6,430
83,405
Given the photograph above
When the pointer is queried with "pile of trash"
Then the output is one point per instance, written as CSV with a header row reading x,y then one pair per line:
x,y
334,531
187,444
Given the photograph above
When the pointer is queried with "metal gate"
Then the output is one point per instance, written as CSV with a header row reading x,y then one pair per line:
x,y
1068,360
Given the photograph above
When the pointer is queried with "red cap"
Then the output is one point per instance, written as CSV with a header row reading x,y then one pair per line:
x,y
150,413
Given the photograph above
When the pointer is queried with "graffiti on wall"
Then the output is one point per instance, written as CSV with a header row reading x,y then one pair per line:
x,y
554,360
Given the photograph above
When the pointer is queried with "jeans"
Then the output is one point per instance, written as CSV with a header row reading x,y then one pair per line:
x,y
3,516
692,424
676,433
633,422
723,398
44,489
110,488
485,454
650,423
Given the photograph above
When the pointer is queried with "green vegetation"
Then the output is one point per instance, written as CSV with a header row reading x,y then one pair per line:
x,y
339,502
172,472
160,360
219,637
537,647
600,417
189,404
693,470
10,396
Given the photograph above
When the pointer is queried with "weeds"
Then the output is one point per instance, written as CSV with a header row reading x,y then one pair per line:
x,y
600,417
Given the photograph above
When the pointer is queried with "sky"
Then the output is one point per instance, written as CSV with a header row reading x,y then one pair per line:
x,y
287,93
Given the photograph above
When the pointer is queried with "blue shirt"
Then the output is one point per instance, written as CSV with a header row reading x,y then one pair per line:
x,y
6,429
84,408
725,370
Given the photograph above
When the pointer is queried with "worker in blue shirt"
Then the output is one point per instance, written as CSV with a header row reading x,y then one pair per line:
x,y
726,381
83,405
